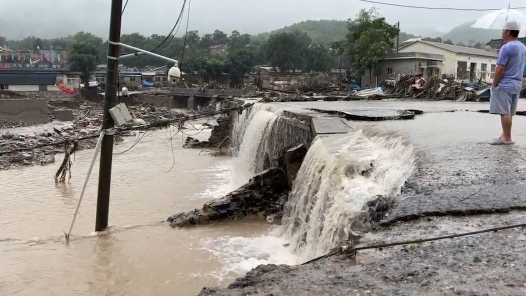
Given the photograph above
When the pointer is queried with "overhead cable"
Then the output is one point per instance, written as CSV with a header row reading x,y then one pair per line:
x,y
125,5
173,29
436,8
186,34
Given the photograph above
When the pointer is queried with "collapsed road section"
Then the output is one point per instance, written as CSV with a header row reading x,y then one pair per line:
x,y
358,183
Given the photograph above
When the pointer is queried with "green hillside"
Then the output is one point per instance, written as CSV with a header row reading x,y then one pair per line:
x,y
322,31
464,33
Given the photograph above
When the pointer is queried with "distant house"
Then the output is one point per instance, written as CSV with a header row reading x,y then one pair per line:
x,y
394,64
218,49
42,76
496,44
270,74
463,62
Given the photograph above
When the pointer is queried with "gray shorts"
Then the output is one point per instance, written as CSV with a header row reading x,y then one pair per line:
x,y
503,103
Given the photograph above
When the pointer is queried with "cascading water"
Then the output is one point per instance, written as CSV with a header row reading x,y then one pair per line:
x,y
251,133
328,201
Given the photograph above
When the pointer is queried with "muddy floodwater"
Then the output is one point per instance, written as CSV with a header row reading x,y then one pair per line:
x,y
140,254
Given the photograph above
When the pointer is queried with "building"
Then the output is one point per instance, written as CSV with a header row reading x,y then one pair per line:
x,y
496,44
391,65
463,62
218,49
41,76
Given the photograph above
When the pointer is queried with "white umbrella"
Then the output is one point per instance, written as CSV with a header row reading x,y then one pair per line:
x,y
510,19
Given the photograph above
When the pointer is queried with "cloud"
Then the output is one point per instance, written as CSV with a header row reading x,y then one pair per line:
x,y
55,18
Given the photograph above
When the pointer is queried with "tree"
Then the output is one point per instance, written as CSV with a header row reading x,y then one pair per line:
x,y
449,41
239,63
478,45
319,59
238,41
287,50
461,44
369,37
438,39
85,52
219,37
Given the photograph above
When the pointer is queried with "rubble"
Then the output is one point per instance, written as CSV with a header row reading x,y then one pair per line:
x,y
263,196
414,86
87,122
219,137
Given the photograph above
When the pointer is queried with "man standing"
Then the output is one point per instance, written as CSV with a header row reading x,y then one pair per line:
x,y
507,83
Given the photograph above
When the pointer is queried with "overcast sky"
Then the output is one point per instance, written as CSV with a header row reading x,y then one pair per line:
x,y
54,18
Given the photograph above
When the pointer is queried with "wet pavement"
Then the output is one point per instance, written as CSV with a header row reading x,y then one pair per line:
x,y
486,264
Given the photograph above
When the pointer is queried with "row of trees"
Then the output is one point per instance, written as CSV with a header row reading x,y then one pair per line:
x,y
368,37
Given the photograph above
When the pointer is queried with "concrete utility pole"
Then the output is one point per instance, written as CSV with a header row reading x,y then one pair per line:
x,y
106,154
398,37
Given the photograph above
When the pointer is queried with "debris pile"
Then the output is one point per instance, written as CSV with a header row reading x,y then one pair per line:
x,y
318,83
411,86
274,96
86,124
263,196
219,138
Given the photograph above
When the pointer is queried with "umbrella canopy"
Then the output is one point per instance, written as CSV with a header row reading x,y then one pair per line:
x,y
509,19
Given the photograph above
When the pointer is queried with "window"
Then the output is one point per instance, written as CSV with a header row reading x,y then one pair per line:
x,y
100,79
165,78
493,68
132,79
157,79
71,81
389,71
483,70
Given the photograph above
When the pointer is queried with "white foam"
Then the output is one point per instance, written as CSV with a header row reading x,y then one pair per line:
x,y
239,255
327,203
252,132
218,181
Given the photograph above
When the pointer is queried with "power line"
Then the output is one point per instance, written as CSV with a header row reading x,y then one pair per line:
x,y
124,7
436,8
352,250
173,29
186,34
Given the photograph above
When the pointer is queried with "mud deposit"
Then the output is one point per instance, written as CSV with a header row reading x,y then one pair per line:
x,y
488,264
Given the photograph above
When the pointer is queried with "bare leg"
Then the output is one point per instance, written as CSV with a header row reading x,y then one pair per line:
x,y
506,122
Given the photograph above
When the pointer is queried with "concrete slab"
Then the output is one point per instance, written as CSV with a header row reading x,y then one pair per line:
x,y
329,125
27,110
63,115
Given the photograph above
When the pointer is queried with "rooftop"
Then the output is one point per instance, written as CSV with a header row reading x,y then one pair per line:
x,y
455,48
413,55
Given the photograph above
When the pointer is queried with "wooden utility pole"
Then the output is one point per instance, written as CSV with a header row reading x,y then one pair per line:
x,y
398,37
106,154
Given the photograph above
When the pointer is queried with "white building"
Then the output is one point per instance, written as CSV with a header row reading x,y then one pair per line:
x,y
464,62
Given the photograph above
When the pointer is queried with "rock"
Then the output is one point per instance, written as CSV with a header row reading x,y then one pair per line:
x,y
138,121
477,260
83,133
293,160
28,156
17,158
264,195
8,135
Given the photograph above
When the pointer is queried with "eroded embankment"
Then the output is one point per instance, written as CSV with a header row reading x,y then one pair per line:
x,y
462,176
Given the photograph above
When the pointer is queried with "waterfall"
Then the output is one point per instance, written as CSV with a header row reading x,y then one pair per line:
x,y
251,133
328,201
